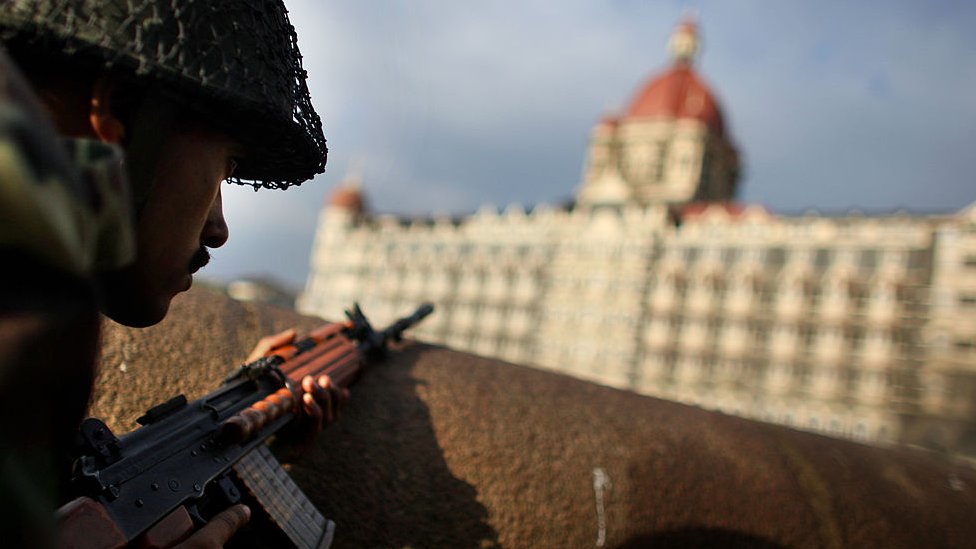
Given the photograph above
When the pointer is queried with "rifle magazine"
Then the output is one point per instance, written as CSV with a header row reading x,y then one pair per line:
x,y
286,504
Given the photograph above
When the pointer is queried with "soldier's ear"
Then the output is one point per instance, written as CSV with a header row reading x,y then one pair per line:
x,y
104,122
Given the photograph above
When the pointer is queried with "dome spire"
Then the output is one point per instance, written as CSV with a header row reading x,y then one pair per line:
x,y
684,43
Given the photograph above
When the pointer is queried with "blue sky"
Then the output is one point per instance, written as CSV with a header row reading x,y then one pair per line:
x,y
444,106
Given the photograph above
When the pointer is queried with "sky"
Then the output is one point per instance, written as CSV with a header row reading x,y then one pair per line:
x,y
443,106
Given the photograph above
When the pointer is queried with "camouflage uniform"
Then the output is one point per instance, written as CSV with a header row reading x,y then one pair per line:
x,y
64,214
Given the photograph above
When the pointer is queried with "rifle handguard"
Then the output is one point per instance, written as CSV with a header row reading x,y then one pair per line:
x,y
243,425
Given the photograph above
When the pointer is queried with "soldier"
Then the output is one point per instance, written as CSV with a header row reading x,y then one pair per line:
x,y
162,101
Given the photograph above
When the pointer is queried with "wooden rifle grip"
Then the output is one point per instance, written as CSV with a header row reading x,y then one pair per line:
x,y
86,524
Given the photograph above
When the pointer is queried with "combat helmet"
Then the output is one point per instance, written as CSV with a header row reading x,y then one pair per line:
x,y
236,60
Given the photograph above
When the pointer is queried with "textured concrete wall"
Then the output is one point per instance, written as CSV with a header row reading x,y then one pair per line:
x,y
443,449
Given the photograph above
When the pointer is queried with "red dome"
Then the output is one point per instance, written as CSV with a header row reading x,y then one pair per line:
x,y
349,198
678,93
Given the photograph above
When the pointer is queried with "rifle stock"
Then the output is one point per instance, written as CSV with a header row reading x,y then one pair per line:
x,y
190,460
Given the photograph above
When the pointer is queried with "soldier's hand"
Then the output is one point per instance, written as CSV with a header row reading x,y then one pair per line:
x,y
320,400
270,343
219,530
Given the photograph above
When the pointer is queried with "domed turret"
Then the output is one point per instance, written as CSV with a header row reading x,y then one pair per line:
x,y
669,146
679,93
348,196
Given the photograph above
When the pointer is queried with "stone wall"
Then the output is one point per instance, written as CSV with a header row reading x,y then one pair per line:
x,y
444,449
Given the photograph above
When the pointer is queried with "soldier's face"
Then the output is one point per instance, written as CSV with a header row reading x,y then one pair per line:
x,y
181,219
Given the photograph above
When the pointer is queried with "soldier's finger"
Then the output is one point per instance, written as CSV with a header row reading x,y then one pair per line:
x,y
333,397
315,414
220,528
308,384
268,343
325,381
322,397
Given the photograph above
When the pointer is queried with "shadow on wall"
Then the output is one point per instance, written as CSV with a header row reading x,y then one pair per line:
x,y
701,538
392,476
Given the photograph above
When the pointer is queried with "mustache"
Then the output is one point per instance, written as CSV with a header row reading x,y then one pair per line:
x,y
200,258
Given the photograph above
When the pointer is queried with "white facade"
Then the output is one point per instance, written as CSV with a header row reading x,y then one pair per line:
x,y
821,323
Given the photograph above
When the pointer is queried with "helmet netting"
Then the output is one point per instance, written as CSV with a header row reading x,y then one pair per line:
x,y
235,61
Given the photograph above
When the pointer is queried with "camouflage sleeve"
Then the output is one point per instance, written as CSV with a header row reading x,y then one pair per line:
x,y
71,213
64,213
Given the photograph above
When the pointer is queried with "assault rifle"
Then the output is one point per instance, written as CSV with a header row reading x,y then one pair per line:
x,y
190,460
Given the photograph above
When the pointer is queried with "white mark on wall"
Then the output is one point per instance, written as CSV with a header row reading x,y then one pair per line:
x,y
601,483
956,483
